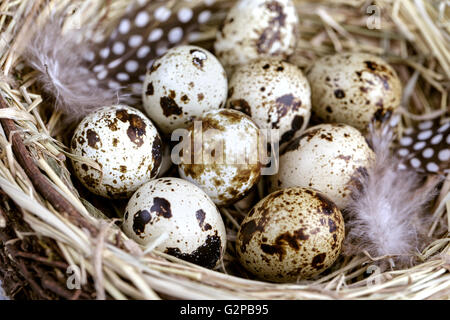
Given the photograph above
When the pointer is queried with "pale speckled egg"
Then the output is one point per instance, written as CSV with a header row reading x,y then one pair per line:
x,y
328,158
275,94
256,29
180,217
221,155
126,146
292,234
354,88
181,85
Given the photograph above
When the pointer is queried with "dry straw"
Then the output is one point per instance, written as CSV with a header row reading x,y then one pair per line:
x,y
49,234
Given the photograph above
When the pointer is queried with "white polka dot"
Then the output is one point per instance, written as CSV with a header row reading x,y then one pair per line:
x,y
432,167
155,35
184,15
419,145
425,135
448,139
444,155
102,75
98,68
209,2
113,85
162,14
204,16
124,26
161,50
142,77
401,166
142,18
395,119
118,48
104,53
408,131
89,56
122,76
131,66
175,35
425,125
403,152
92,82
114,63
428,153
406,141
135,41
444,127
436,139
143,52
415,163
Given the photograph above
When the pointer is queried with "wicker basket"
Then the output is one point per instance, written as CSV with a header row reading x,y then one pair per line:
x,y
55,240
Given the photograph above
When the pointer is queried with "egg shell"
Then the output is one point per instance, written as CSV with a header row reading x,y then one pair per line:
x,y
275,94
354,88
327,157
291,234
124,143
180,213
224,160
181,85
256,29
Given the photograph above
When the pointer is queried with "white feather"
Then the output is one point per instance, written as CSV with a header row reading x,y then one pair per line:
x,y
386,214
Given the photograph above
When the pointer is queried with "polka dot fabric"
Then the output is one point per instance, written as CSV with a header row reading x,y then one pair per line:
x,y
427,147
144,33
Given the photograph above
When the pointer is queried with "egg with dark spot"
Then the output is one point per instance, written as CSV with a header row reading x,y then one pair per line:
x,y
257,29
183,84
275,94
284,238
221,155
125,146
327,157
354,88
185,223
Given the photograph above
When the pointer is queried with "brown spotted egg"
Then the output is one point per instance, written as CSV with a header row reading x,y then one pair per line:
x,y
354,88
327,157
123,143
292,234
181,85
221,155
275,94
179,219
257,28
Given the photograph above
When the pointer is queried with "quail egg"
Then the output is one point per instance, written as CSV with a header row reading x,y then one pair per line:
x,y
181,85
291,234
126,147
221,155
179,218
354,88
327,157
255,29
275,94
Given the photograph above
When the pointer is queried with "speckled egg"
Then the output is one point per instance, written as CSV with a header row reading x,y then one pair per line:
x,y
327,157
292,234
354,88
180,218
221,155
181,85
125,145
275,94
255,29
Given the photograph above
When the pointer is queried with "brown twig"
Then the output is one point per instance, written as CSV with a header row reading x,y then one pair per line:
x,y
39,181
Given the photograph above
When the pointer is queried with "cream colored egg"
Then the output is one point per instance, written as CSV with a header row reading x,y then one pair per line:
x,y
222,155
181,85
354,88
255,29
179,218
275,94
123,143
327,157
290,235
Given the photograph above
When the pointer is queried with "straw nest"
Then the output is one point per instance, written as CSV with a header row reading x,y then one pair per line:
x,y
48,232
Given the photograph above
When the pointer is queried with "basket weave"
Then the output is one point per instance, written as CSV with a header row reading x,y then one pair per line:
x,y
52,238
